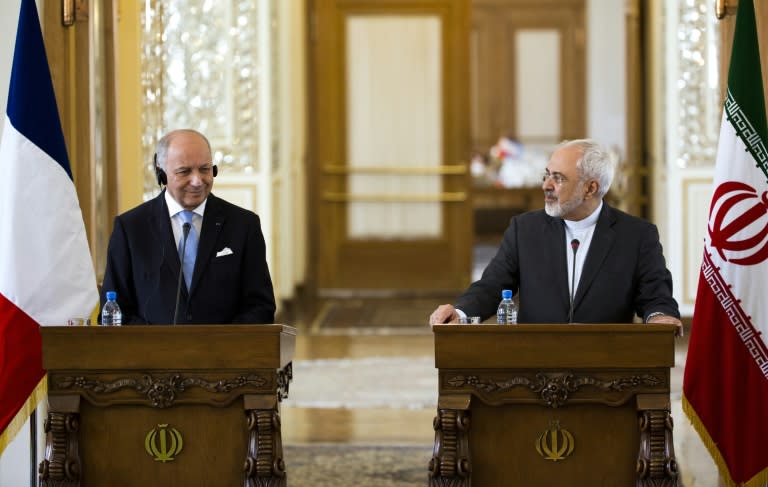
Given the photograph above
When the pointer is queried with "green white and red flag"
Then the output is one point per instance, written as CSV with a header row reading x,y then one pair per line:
x,y
725,387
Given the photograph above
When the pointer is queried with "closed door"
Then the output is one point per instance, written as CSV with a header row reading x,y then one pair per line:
x,y
389,84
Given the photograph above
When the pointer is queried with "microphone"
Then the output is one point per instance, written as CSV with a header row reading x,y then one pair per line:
x,y
575,246
185,228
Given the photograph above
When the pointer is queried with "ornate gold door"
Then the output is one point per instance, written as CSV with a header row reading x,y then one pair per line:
x,y
389,124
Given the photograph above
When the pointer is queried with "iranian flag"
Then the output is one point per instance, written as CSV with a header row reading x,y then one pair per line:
x,y
46,272
725,388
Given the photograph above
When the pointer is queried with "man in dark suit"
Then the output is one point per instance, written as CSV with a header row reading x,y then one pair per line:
x,y
577,260
230,281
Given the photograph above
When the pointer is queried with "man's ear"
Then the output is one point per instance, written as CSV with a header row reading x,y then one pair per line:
x,y
592,187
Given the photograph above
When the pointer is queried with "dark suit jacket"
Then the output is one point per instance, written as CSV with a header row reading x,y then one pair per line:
x,y
143,267
624,273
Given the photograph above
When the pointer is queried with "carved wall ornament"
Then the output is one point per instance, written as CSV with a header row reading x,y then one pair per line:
x,y
554,389
163,443
555,443
161,391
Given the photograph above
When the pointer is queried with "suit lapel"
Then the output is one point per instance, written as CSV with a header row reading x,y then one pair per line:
x,y
602,241
160,223
213,222
555,243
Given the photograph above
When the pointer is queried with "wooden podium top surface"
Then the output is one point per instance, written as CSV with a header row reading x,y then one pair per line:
x,y
168,347
554,346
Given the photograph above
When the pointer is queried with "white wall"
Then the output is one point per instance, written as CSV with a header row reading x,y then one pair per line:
x,y
9,17
607,73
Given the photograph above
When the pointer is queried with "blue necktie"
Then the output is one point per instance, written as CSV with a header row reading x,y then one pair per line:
x,y
190,251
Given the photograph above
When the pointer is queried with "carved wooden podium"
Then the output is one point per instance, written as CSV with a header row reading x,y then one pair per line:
x,y
165,405
543,405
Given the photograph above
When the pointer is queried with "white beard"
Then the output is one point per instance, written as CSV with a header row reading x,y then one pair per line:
x,y
558,209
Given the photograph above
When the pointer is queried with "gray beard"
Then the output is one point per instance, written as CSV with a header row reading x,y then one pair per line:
x,y
558,209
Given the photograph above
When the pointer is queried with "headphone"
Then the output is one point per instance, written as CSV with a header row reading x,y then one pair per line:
x,y
162,178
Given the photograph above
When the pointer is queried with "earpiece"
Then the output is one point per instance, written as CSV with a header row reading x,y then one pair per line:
x,y
162,178
215,170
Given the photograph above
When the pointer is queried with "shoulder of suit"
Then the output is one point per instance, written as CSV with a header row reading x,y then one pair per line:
x,y
617,216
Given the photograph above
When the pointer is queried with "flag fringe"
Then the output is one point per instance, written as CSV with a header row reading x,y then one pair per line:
x,y
759,480
22,416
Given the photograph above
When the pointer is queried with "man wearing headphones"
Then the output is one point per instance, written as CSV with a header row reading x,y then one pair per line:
x,y
187,256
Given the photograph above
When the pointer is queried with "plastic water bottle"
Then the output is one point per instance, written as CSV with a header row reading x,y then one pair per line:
x,y
507,312
111,314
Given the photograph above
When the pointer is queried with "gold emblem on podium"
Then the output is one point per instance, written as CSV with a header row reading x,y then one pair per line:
x,y
555,443
163,443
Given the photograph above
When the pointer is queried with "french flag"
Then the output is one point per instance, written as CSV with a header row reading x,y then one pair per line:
x,y
46,271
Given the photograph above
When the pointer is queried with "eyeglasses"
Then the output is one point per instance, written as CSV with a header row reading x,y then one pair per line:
x,y
556,177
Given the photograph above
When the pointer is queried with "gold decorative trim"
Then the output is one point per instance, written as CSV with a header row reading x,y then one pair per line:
x,y
449,170
456,197
67,13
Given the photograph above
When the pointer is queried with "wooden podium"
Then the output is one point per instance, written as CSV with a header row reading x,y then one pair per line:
x,y
165,405
543,405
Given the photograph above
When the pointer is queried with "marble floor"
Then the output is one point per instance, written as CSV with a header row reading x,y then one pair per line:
x,y
305,421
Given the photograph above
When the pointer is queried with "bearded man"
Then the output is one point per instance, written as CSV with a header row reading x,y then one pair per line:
x,y
578,260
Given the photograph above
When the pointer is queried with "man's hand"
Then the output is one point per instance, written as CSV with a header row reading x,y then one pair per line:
x,y
445,313
670,320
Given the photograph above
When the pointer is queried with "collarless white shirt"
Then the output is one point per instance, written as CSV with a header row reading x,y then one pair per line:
x,y
174,212
582,231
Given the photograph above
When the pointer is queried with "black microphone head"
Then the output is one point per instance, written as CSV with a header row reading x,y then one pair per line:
x,y
185,228
575,244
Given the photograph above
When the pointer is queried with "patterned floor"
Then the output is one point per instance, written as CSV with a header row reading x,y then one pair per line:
x,y
337,465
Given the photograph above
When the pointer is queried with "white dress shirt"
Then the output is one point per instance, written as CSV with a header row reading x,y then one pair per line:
x,y
582,231
174,212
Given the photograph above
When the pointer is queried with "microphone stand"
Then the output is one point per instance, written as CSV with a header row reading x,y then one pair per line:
x,y
185,229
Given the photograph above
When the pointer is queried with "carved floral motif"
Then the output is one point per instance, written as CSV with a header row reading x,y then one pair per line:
x,y
553,388
161,391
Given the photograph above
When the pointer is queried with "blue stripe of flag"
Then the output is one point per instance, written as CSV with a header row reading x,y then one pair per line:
x,y
31,100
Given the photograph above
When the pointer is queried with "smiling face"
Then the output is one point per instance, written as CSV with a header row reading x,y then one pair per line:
x,y
565,194
189,169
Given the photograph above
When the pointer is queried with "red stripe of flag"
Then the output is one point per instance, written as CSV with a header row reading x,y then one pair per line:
x,y
21,361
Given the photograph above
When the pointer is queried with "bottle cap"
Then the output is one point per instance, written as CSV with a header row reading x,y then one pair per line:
x,y
506,294
111,295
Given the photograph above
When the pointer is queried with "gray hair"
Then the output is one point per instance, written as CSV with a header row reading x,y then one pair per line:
x,y
161,151
595,163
